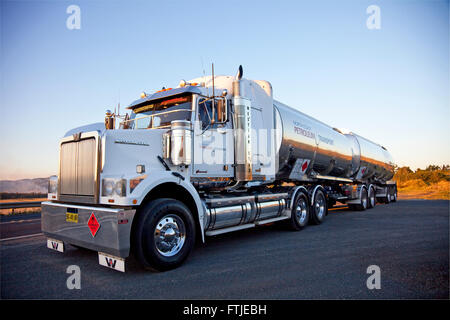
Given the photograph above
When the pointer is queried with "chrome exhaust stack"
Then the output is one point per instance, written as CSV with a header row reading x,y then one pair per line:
x,y
242,132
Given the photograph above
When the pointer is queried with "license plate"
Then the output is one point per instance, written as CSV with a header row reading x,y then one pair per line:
x,y
55,245
72,215
111,262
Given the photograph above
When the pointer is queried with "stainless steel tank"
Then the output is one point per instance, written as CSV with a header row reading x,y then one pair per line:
x,y
375,161
315,147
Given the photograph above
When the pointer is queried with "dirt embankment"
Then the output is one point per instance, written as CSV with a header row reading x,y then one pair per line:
x,y
432,183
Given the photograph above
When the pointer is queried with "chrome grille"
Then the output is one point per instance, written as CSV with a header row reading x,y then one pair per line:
x,y
78,170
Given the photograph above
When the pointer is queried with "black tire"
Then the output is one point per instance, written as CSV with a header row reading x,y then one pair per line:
x,y
299,212
372,200
364,200
394,195
387,198
156,222
318,208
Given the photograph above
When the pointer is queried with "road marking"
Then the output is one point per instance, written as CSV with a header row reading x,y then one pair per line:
x,y
21,237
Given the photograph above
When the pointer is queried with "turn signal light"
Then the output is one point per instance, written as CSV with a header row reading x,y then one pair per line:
x,y
162,90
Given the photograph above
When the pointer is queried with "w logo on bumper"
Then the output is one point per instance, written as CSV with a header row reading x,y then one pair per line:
x,y
55,245
110,262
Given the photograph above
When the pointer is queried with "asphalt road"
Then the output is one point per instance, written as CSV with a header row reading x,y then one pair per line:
x,y
21,225
407,240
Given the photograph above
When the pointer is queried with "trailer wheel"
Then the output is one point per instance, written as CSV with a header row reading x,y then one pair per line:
x,y
394,195
364,200
318,208
387,198
372,198
299,212
164,234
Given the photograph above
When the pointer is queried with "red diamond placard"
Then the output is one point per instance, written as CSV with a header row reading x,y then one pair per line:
x,y
93,224
305,165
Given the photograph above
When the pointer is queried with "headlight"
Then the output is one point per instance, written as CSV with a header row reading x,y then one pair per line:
x,y
53,184
111,187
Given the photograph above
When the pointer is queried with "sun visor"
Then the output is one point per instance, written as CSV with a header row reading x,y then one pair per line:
x,y
162,95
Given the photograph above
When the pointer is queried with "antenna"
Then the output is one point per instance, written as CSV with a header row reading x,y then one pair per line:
x,y
118,111
212,67
213,94
204,75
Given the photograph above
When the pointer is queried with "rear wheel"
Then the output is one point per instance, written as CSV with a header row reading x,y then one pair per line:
x,y
363,201
394,195
387,198
372,199
164,234
318,208
300,212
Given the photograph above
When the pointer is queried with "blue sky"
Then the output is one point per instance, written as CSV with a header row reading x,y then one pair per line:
x,y
390,85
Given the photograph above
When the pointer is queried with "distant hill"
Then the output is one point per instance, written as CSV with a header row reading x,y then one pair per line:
x,y
38,185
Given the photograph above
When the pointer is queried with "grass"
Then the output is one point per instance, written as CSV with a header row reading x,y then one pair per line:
x,y
418,189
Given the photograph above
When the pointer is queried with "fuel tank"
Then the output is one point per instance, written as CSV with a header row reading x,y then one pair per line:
x,y
308,147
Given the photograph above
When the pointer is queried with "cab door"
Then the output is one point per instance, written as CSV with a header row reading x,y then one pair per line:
x,y
213,141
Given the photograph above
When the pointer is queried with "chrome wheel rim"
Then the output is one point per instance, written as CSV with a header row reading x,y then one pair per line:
x,y
301,211
319,206
372,199
169,235
364,199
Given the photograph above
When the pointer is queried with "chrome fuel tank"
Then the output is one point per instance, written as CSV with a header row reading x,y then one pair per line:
x,y
308,146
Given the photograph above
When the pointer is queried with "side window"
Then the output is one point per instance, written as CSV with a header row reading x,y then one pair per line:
x,y
205,114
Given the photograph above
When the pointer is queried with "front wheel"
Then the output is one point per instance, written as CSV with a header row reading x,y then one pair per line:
x,y
164,234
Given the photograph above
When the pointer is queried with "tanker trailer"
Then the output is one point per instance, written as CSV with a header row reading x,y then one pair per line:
x,y
215,154
311,151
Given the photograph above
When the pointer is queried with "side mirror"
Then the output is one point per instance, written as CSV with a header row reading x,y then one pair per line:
x,y
221,111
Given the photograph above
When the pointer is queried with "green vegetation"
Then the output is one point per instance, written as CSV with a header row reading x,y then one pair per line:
x,y
431,183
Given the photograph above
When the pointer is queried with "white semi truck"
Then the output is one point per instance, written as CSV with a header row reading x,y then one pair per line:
x,y
216,154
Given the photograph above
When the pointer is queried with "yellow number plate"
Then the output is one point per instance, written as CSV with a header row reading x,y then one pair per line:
x,y
72,217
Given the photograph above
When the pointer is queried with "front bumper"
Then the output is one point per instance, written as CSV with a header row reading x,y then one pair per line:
x,y
113,235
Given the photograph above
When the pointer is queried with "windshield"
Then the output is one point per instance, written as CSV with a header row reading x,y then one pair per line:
x,y
160,114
